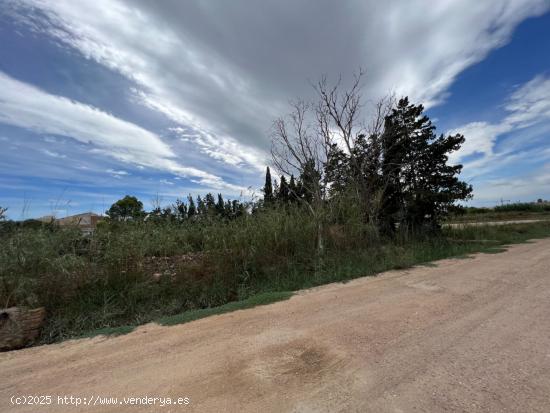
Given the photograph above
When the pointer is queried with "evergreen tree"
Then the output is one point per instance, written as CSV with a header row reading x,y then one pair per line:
x,y
292,190
167,214
419,186
268,188
210,203
309,185
180,210
201,207
228,210
283,192
127,208
220,206
191,209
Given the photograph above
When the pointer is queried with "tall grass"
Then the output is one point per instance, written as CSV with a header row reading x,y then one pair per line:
x,y
134,272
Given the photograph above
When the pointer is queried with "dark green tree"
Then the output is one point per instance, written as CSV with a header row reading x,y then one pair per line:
x,y
180,210
210,203
283,195
220,206
191,209
201,207
268,188
419,187
309,184
127,208
292,190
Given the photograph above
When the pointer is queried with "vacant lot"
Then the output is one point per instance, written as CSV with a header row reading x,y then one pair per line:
x,y
464,335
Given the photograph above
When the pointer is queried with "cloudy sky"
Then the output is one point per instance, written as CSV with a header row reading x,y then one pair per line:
x,y
160,99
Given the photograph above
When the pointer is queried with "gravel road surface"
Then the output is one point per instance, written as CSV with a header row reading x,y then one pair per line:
x,y
464,335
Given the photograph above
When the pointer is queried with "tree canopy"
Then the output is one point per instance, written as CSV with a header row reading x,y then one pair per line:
x,y
125,209
395,170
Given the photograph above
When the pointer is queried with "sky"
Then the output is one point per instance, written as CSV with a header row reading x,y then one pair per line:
x,y
103,98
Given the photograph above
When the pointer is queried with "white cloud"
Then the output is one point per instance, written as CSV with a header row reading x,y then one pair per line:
x,y
530,103
226,69
118,174
26,106
527,106
524,188
526,124
53,154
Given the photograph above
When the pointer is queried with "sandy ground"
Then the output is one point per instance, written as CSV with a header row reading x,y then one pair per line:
x,y
465,335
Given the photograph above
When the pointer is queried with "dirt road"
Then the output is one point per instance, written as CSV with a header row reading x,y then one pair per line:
x,y
491,223
466,335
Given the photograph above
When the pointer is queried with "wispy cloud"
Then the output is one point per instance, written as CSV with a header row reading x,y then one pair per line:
x,y
219,73
192,66
528,187
518,142
528,105
53,154
28,107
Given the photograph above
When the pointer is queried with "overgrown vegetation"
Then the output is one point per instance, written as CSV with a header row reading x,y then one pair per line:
x,y
135,272
351,201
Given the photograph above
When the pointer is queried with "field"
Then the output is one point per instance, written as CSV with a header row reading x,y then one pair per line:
x,y
131,273
510,212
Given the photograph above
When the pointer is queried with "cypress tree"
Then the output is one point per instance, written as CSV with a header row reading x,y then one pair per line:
x,y
210,202
180,209
201,206
283,193
220,207
191,209
292,190
268,188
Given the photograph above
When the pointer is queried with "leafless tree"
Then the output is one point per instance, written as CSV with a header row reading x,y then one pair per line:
x,y
338,111
293,143
295,148
335,122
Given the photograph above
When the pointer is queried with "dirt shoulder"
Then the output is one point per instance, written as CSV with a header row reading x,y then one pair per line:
x,y
464,335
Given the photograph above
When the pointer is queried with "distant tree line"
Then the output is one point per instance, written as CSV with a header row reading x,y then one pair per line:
x,y
130,208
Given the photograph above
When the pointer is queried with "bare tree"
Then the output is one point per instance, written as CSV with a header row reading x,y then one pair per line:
x,y
293,144
297,149
338,111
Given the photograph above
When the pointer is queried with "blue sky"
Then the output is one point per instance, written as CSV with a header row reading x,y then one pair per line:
x,y
161,99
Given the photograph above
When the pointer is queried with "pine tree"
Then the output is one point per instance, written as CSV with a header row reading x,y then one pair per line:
x,y
419,186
